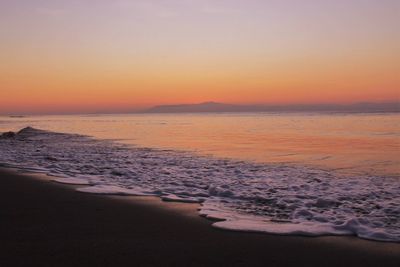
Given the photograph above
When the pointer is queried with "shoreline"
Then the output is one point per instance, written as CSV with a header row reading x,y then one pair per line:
x,y
44,223
225,187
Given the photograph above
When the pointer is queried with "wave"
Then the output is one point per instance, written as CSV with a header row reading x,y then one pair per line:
x,y
242,196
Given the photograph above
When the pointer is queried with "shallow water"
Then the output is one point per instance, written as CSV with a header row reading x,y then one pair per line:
x,y
350,143
309,174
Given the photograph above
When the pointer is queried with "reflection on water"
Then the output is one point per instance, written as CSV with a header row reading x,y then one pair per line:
x,y
361,143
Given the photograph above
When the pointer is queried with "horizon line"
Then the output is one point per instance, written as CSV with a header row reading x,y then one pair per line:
x,y
393,107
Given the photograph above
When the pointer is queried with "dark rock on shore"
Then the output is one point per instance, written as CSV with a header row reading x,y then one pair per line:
x,y
8,135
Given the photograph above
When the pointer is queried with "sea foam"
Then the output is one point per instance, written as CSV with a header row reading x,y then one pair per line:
x,y
242,196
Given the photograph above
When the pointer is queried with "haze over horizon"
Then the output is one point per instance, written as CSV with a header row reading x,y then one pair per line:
x,y
85,56
216,107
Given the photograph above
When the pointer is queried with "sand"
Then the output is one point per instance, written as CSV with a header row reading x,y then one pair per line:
x,y
43,223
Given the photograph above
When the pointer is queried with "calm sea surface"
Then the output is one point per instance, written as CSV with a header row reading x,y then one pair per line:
x,y
346,143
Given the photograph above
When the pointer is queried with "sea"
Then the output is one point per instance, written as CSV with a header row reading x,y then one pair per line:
x,y
310,174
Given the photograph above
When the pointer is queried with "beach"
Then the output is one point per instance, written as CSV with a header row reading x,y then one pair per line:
x,y
44,223
199,133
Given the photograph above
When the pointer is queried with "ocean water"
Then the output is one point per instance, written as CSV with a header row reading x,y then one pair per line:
x,y
291,173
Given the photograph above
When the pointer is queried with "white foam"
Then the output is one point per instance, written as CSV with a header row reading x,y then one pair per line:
x,y
180,199
260,226
74,181
112,190
270,198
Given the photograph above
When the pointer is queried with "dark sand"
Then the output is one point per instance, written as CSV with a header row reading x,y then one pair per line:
x,y
47,224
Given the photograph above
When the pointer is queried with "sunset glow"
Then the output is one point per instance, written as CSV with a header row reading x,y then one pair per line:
x,y
88,56
200,132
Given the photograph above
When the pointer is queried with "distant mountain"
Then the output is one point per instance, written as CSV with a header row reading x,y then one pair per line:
x,y
202,107
221,107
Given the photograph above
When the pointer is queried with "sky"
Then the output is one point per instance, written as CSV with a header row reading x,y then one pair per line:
x,y
122,55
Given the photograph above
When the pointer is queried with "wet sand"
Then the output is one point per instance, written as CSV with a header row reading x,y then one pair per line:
x,y
43,223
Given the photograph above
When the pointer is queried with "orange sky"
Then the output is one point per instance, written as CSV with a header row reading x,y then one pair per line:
x,y
69,56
